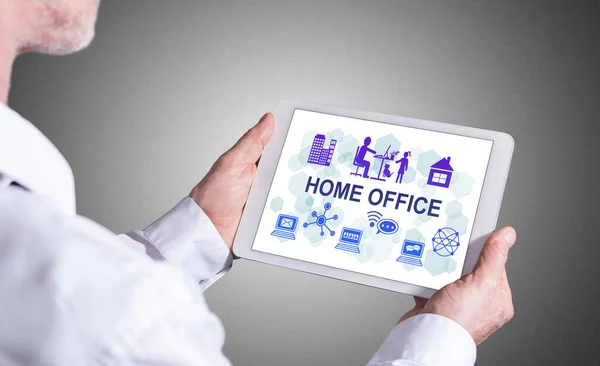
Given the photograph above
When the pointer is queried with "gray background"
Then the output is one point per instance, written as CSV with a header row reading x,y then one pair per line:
x,y
169,85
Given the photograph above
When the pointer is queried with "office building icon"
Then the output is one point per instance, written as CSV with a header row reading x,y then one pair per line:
x,y
412,252
349,240
318,153
285,227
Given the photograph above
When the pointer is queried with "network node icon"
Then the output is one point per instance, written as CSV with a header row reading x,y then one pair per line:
x,y
445,242
321,220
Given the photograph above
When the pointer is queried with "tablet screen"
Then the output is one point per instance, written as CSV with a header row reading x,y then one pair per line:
x,y
375,198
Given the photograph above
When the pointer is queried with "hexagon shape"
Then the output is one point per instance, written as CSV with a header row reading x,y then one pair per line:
x,y
331,171
414,234
382,144
337,134
409,176
347,145
408,267
309,201
436,265
276,204
425,161
426,189
308,138
366,253
303,157
314,236
458,223
295,164
302,201
454,209
336,211
417,222
424,217
298,183
344,158
461,184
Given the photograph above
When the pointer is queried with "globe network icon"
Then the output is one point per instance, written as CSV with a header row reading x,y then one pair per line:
x,y
445,242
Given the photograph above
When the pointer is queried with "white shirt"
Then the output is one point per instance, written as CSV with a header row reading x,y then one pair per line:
x,y
73,293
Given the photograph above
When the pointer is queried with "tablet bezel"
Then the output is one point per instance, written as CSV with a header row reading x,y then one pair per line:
x,y
485,219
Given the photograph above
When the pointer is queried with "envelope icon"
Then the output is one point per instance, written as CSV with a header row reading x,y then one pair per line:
x,y
287,222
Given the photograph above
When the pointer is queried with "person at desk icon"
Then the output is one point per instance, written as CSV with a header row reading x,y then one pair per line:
x,y
359,159
403,166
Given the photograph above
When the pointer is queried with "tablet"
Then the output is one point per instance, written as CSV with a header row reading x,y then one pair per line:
x,y
392,202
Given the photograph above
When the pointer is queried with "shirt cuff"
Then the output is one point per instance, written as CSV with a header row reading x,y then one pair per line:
x,y
186,238
428,340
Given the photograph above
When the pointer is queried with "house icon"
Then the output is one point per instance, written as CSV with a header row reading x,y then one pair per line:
x,y
440,173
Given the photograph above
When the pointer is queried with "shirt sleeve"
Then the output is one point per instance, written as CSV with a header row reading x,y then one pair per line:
x,y
427,340
186,238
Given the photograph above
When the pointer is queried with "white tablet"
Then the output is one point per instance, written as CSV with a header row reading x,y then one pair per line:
x,y
386,201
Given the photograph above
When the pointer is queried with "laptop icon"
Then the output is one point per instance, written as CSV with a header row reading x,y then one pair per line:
x,y
285,227
411,253
349,240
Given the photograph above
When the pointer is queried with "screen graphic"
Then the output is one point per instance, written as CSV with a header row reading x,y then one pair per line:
x,y
384,200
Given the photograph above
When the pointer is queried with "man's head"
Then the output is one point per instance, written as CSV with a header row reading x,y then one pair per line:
x,y
55,27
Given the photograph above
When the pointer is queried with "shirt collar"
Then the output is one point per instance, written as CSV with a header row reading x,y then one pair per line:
x,y
30,159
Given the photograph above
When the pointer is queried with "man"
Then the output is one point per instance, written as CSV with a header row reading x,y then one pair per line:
x,y
73,293
361,155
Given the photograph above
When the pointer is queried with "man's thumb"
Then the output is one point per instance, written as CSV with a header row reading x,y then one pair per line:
x,y
249,148
494,254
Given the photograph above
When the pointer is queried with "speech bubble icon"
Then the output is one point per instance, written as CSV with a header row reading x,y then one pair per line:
x,y
387,226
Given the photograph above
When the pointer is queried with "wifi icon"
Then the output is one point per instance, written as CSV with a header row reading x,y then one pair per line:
x,y
374,217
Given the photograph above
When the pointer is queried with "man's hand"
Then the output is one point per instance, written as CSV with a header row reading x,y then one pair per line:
x,y
223,192
481,301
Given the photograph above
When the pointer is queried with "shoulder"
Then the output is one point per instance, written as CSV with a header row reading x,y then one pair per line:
x,y
34,229
73,290
27,215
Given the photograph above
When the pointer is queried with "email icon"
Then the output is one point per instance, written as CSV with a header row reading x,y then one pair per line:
x,y
285,227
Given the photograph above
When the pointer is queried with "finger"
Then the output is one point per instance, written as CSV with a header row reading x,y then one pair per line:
x,y
420,302
494,255
249,148
504,277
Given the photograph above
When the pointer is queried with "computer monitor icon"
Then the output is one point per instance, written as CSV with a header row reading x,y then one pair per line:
x,y
285,227
349,240
411,253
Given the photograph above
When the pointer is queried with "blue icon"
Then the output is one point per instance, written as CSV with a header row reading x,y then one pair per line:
x,y
440,173
373,217
321,220
412,252
445,242
319,154
385,226
285,227
349,240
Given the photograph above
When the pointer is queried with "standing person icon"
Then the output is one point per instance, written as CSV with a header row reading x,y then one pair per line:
x,y
403,166
359,159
